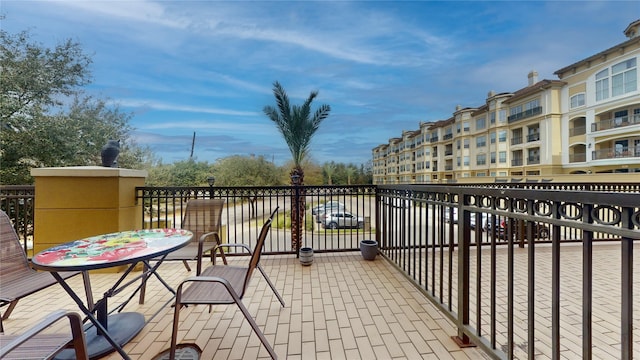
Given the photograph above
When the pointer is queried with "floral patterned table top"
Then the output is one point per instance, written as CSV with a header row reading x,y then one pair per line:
x,y
112,249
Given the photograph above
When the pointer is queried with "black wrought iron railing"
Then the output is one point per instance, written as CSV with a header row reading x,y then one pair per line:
x,y
461,246
18,202
247,207
492,257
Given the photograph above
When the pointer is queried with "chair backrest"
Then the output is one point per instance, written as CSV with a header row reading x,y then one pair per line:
x,y
13,260
257,251
203,216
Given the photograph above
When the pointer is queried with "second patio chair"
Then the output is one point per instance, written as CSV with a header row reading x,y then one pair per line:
x,y
218,285
203,217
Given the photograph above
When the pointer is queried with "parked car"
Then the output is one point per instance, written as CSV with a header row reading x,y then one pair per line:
x,y
540,231
329,205
320,210
342,219
472,221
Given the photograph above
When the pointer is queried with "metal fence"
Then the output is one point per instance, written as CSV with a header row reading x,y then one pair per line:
x,y
18,202
518,303
247,208
495,258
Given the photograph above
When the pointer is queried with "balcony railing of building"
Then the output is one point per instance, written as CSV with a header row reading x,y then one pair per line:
x,y
578,130
433,139
434,234
533,160
615,122
448,152
517,162
533,137
615,153
525,114
578,157
516,140
448,167
447,137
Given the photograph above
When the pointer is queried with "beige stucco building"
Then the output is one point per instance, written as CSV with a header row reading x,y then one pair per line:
x,y
587,121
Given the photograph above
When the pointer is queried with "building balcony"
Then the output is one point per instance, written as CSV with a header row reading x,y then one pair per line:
x,y
616,153
615,123
447,137
577,157
525,114
516,140
578,130
533,137
517,162
433,139
442,268
533,160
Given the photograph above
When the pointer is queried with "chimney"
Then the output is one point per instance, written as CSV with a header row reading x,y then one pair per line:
x,y
491,94
533,77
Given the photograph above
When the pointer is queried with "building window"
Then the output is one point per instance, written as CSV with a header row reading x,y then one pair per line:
x,y
493,157
481,159
577,100
465,160
492,118
502,157
466,143
602,85
624,77
492,138
532,104
481,141
465,126
480,123
502,135
502,116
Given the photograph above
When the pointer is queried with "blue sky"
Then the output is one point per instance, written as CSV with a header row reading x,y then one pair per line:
x,y
208,67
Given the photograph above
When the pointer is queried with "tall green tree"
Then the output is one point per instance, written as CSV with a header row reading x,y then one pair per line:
x,y
46,119
252,170
297,125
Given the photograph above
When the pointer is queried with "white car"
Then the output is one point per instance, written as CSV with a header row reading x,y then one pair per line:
x,y
342,219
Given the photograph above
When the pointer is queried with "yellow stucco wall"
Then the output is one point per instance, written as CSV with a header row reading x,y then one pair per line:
x,y
76,202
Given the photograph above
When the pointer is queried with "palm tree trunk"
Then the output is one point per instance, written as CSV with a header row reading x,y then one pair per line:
x,y
297,209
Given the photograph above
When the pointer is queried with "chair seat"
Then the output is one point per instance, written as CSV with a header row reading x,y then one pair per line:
x,y
28,283
190,252
43,346
214,292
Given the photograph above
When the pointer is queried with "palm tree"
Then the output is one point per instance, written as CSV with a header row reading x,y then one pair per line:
x,y
297,126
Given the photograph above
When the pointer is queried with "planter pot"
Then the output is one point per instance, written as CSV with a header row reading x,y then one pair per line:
x,y
306,256
369,249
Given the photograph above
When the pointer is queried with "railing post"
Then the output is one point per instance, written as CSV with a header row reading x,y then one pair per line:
x,y
464,241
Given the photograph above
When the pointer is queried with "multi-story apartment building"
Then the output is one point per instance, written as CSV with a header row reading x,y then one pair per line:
x,y
588,121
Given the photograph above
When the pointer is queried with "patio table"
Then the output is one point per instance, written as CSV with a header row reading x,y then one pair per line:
x,y
107,331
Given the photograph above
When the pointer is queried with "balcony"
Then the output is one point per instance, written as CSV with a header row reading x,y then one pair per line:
x,y
533,160
617,153
437,276
433,139
533,137
577,130
517,162
578,157
525,114
516,140
447,136
615,123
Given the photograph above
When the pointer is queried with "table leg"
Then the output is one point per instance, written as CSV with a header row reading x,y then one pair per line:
x,y
100,341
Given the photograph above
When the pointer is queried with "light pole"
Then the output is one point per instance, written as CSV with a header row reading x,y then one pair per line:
x,y
295,232
211,180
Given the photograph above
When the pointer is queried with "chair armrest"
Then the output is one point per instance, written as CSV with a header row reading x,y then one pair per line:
x,y
201,247
244,246
215,279
77,333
